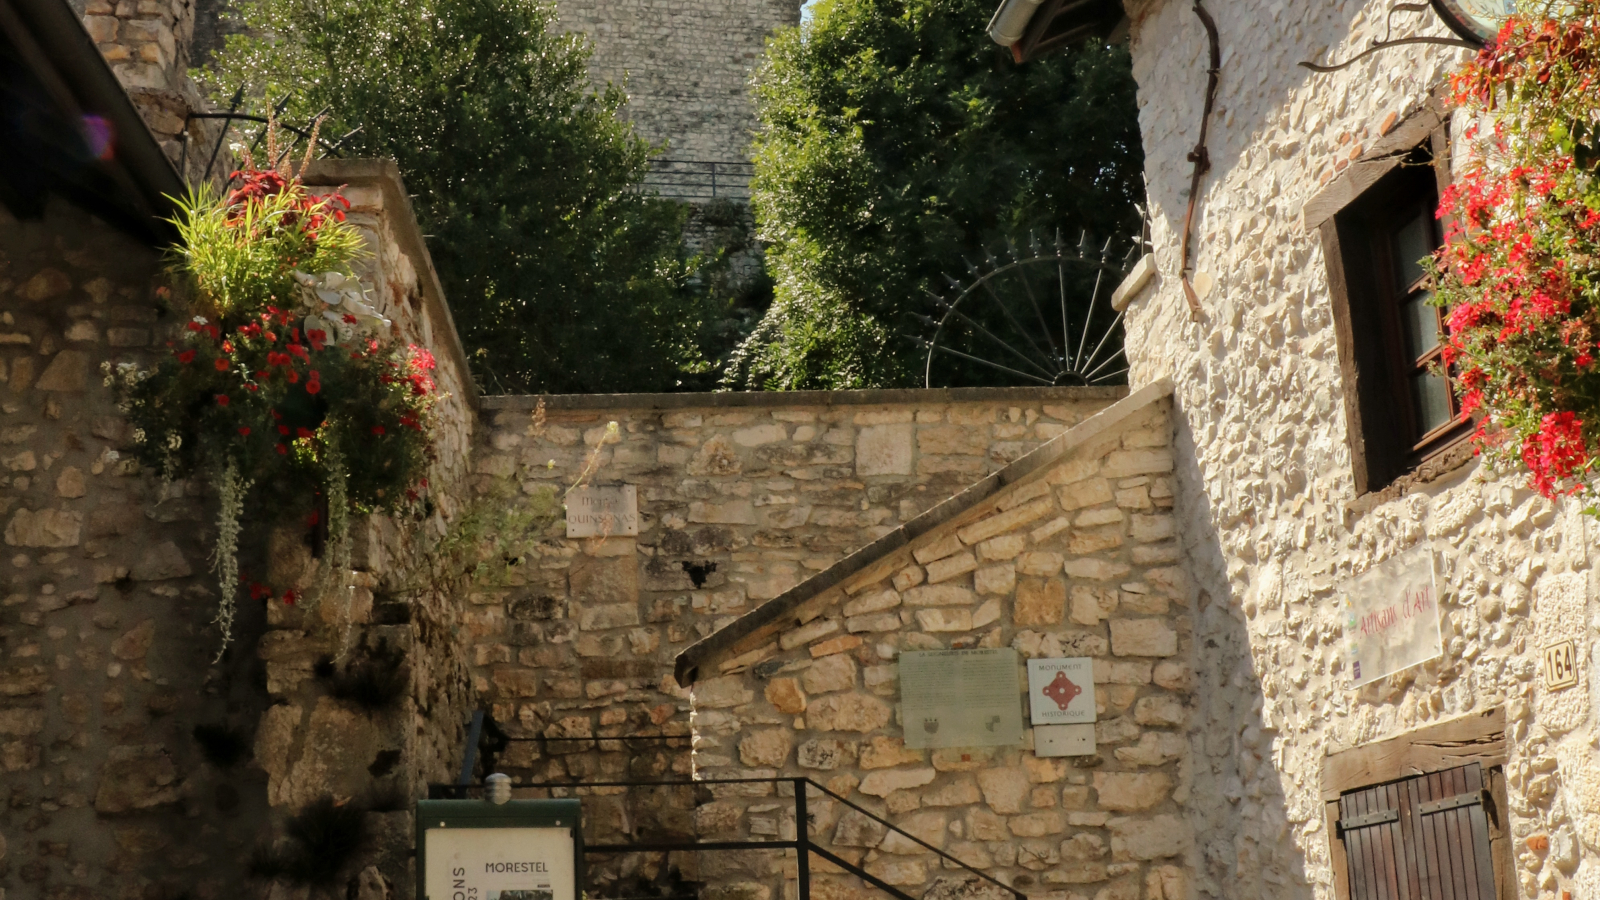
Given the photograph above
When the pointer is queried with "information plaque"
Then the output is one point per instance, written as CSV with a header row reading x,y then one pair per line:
x,y
960,698
519,850
1392,617
603,510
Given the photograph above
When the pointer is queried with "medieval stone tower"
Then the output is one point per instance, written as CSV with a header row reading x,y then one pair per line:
x,y
686,66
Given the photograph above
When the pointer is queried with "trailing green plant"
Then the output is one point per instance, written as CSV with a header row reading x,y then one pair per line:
x,y
496,530
286,384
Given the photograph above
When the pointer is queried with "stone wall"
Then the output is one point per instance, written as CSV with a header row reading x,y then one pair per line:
x,y
1078,560
133,765
1266,496
686,66
148,45
741,496
313,742
105,653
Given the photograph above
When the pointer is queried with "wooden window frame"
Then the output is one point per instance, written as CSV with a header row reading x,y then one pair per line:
x,y
1475,738
1376,398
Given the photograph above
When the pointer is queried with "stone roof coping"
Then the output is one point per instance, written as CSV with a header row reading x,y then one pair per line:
x,y
724,399
769,617
385,173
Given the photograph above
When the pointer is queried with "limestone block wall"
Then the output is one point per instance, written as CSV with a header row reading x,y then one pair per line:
x,y
132,764
686,66
1265,495
312,742
740,497
148,45
1080,561
105,652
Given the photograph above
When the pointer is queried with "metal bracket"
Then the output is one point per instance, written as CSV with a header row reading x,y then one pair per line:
x,y
1473,798
1368,819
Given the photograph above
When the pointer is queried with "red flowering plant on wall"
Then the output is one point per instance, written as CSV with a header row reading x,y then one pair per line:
x,y
284,385
1520,267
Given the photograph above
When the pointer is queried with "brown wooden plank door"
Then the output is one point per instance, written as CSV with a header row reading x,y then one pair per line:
x,y
1421,838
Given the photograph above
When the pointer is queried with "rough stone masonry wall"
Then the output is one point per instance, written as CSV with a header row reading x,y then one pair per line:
x,y
105,657
310,743
1266,499
686,66
148,44
1081,561
755,493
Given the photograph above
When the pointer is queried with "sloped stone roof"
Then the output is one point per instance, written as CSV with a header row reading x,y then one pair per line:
x,y
802,602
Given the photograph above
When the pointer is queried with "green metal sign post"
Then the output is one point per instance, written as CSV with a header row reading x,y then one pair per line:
x,y
516,850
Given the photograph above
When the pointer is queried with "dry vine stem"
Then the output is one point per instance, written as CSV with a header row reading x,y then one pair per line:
x,y
1200,156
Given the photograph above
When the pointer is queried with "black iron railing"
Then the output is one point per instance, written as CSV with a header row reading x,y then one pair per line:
x,y
683,179
802,842
485,740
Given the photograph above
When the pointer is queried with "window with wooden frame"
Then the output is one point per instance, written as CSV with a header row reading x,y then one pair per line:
x,y
1377,225
1422,816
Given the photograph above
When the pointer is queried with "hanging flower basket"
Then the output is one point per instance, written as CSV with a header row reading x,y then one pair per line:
x,y
1520,268
286,386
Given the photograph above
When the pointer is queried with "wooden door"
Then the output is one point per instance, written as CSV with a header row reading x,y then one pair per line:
x,y
1427,837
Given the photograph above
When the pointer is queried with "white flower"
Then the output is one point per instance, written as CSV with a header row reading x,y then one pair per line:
x,y
138,435
336,295
200,320
174,441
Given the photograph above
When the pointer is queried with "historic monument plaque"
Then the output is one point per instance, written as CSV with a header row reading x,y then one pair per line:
x,y
603,510
1392,617
1061,691
960,698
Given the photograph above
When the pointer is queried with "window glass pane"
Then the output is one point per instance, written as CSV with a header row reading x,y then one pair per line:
x,y
1430,399
1412,242
1421,323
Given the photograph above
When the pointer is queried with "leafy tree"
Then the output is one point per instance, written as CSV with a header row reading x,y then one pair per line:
x,y
561,277
896,140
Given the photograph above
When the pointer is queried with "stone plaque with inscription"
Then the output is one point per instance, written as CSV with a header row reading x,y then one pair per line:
x,y
961,698
603,510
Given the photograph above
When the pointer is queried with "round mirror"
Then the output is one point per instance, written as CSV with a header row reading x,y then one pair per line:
x,y
1475,20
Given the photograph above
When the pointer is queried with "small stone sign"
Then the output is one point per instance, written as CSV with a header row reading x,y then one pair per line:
x,y
603,510
1061,691
1560,665
1392,617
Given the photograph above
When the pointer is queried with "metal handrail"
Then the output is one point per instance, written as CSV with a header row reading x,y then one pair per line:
x,y
692,179
802,842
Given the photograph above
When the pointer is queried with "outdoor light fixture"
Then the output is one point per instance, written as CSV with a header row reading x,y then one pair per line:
x,y
497,788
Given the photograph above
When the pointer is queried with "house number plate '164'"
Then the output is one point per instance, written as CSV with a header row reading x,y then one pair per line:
x,y
1560,665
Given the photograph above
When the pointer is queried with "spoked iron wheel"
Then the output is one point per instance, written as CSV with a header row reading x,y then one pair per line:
x,y
1043,317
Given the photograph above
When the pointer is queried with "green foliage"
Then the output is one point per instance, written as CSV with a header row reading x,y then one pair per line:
x,y
560,276
896,140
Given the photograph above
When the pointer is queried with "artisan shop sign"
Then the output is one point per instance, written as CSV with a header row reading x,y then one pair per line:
x,y
1391,618
603,510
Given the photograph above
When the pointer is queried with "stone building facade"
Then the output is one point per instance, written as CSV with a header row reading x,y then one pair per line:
x,y
1270,513
1074,556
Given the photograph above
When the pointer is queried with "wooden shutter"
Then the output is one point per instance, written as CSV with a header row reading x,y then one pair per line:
x,y
1422,838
